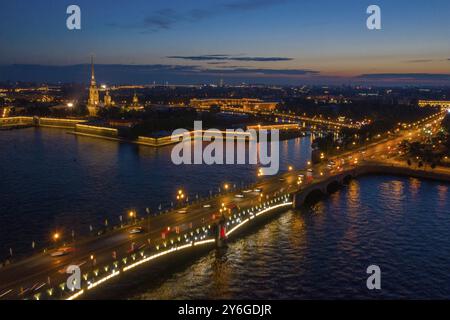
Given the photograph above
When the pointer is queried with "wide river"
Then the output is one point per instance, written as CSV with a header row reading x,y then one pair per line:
x,y
51,180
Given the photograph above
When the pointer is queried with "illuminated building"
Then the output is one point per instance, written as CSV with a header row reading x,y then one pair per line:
x,y
434,103
4,112
291,126
135,104
93,102
107,100
45,98
240,105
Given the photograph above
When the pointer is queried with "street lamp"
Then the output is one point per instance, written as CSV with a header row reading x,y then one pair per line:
x,y
56,236
260,172
180,196
93,260
132,215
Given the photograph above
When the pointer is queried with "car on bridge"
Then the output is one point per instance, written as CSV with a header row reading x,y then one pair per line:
x,y
136,230
61,252
233,207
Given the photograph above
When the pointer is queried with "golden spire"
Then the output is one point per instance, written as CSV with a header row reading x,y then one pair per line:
x,y
92,70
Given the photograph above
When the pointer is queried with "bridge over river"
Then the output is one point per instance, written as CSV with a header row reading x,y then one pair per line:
x,y
204,224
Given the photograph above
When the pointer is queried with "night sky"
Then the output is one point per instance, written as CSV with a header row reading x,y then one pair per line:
x,y
271,41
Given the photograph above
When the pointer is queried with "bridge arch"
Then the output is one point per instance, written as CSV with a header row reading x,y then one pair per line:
x,y
313,196
333,186
347,179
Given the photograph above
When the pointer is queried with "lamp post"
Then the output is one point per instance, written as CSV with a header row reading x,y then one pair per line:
x,y
180,197
132,215
56,237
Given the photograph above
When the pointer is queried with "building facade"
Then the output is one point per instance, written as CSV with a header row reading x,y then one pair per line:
x,y
107,100
240,105
135,105
434,103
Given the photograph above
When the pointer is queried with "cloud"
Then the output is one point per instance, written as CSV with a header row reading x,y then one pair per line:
x,y
426,60
223,57
161,19
246,5
198,14
419,61
261,71
192,74
106,73
406,76
216,62
165,19
201,58
260,59
232,70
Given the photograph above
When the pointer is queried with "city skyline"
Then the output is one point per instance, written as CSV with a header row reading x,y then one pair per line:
x,y
176,42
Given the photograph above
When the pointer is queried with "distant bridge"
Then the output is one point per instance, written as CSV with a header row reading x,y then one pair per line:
x,y
318,121
17,281
333,182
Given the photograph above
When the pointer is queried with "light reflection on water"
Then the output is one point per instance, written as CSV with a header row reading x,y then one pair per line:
x,y
51,180
323,252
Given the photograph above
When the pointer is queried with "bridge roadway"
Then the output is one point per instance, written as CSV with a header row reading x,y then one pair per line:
x,y
36,269
19,280
318,121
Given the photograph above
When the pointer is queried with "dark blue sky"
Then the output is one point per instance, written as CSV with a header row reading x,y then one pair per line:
x,y
269,40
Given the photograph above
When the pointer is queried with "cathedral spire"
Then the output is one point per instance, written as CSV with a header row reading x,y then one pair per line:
x,y
93,100
92,70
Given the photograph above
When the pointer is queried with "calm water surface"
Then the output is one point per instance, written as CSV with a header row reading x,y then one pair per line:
x,y
400,224
51,180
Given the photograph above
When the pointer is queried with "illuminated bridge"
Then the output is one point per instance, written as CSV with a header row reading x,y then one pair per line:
x,y
318,121
98,271
204,224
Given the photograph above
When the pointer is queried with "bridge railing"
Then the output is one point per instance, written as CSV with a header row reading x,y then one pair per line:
x,y
95,276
